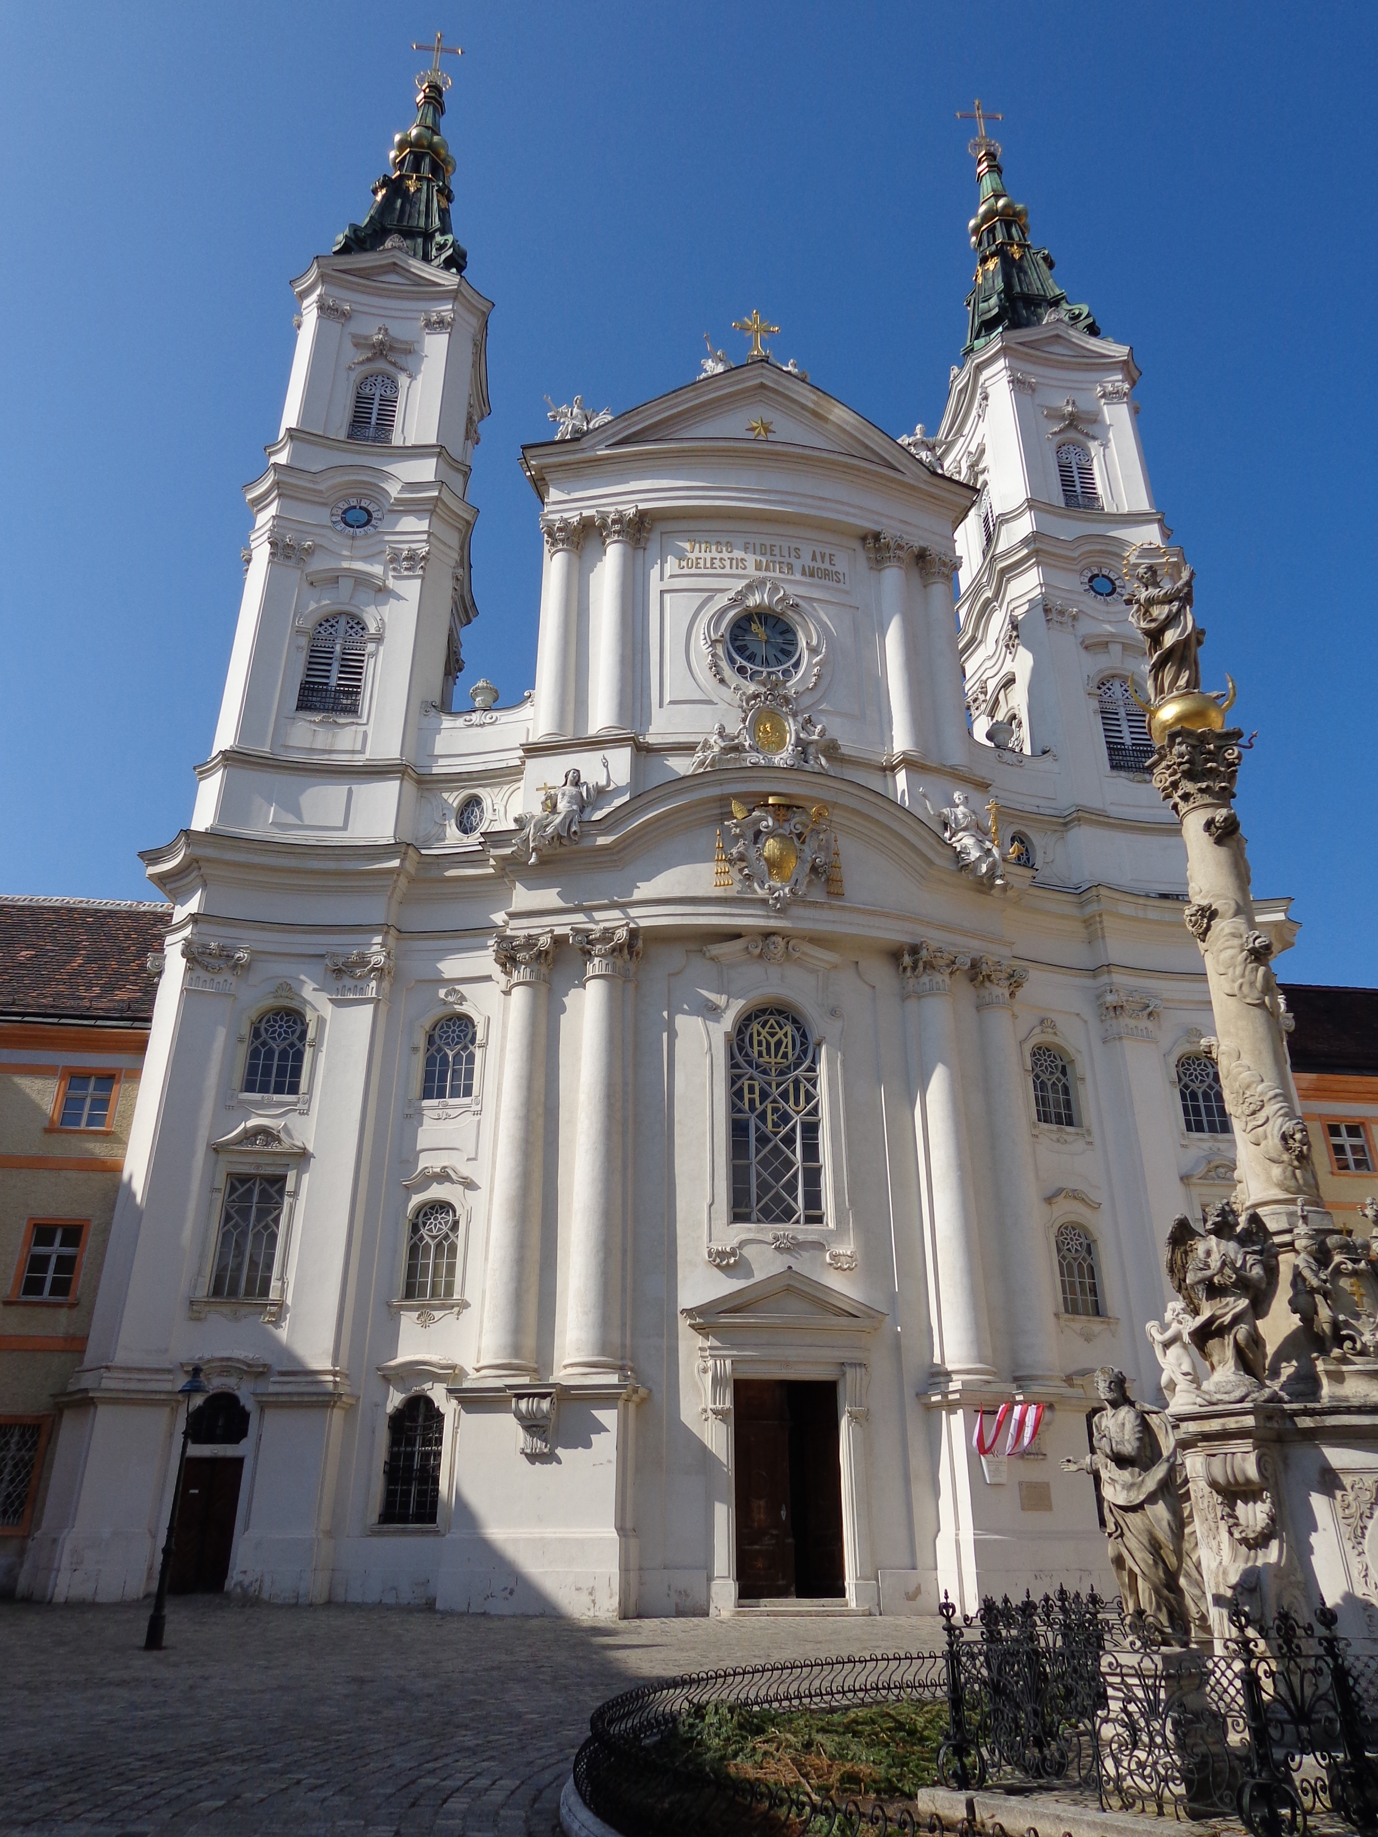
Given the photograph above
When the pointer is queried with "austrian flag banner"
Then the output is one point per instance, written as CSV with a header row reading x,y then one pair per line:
x,y
982,1443
1025,1420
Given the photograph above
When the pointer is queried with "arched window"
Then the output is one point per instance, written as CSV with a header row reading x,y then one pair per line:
x,y
411,1474
250,1219
375,408
450,1058
1127,744
777,1161
221,1420
1203,1101
1077,476
987,516
1076,1271
432,1253
1020,850
1052,1086
277,1052
333,681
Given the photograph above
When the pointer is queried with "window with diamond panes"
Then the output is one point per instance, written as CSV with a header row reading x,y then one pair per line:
x,y
1203,1101
86,1101
411,1475
450,1058
19,1444
333,680
50,1268
1076,1271
777,1159
432,1253
1128,746
246,1250
375,409
1052,1086
1077,476
1349,1146
277,1053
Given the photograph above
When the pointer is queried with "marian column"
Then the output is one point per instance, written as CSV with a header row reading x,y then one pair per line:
x,y
593,1335
623,531
944,661
963,1336
511,1286
554,713
1029,1303
888,555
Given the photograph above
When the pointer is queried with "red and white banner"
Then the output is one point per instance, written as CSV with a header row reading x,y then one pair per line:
x,y
1025,1420
982,1443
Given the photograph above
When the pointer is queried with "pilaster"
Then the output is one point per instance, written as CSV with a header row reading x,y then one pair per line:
x,y
559,628
623,531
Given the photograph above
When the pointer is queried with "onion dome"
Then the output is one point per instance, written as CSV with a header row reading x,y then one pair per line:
x,y
1013,285
411,203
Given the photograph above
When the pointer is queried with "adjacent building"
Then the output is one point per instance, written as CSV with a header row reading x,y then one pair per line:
x,y
1334,1050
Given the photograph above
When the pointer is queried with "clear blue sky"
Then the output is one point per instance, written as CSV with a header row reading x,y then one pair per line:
x,y
629,177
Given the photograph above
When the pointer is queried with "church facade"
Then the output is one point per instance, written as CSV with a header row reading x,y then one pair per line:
x,y
622,1152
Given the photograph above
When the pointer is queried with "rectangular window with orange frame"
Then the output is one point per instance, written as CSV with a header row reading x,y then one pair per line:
x,y
50,1260
86,1100
23,1443
1350,1149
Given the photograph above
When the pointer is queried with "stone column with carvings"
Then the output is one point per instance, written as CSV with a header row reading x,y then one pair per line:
x,y
554,714
962,1332
951,739
611,696
511,1281
593,1329
889,556
1030,1306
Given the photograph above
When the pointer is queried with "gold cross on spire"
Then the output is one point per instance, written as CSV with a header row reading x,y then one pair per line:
x,y
980,117
754,327
436,50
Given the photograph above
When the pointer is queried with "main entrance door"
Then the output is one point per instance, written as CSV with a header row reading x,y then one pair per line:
x,y
205,1525
789,1490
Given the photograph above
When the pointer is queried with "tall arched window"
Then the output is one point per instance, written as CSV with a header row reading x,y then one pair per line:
x,y
375,408
277,1052
1077,476
411,1475
777,1160
432,1253
333,680
1127,744
450,1058
1054,1101
1076,1271
1203,1101
246,1250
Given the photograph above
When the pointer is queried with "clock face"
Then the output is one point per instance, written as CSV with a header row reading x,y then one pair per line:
x,y
352,516
1103,585
760,641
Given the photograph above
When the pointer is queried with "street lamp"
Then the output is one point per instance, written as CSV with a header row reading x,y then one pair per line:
x,y
195,1386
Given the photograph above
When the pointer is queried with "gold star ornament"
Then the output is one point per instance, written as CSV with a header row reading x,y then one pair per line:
x,y
760,429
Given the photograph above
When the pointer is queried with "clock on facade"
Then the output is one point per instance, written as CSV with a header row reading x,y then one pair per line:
x,y
761,641
352,516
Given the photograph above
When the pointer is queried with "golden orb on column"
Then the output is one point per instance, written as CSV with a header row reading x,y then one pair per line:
x,y
1197,709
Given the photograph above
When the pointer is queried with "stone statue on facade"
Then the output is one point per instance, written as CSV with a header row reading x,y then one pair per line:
x,y
1160,610
975,846
1322,1261
572,418
715,362
1170,1340
1221,1272
924,449
561,814
1149,1526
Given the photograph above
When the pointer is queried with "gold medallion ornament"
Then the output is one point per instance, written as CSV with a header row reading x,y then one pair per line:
x,y
779,848
770,731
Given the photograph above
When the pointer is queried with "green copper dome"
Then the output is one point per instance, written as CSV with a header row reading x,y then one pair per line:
x,y
411,205
1013,285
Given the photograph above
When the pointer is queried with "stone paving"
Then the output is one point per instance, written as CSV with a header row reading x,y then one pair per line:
x,y
332,1720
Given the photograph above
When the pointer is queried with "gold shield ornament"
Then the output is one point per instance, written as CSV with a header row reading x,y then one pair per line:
x,y
781,856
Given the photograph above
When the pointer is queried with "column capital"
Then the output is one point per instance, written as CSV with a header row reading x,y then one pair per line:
x,y
1198,766
631,525
608,950
886,551
926,969
525,957
563,533
934,567
997,980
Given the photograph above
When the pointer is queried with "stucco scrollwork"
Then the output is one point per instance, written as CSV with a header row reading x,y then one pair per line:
x,y
723,1256
779,850
524,957
361,972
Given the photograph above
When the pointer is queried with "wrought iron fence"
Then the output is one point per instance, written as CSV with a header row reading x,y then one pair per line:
x,y
1280,1726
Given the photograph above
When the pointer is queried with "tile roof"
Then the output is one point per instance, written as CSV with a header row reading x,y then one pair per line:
x,y
79,959
1336,1030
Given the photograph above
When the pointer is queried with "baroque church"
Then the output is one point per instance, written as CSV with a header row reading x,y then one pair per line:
x,y
683,1141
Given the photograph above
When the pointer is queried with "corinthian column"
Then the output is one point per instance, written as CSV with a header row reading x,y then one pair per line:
x,y
1029,1301
944,662
961,1333
564,538
593,1331
611,698
889,556
511,1285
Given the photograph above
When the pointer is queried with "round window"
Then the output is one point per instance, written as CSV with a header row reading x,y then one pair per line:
x,y
469,815
762,642
1102,585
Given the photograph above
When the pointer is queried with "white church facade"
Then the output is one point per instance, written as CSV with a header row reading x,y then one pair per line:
x,y
605,1153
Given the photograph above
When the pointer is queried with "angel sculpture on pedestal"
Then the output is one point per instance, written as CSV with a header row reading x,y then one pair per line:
x,y
1221,1272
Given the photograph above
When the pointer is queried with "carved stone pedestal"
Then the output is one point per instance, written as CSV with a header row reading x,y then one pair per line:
x,y
1236,1482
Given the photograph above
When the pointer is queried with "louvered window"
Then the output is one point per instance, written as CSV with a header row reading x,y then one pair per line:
x,y
450,1058
1203,1101
987,516
375,408
249,1224
333,681
411,1476
1052,1087
1127,744
1076,1271
1077,476
777,1159
432,1253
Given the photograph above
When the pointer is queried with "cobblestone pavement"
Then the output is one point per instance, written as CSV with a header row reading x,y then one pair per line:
x,y
327,1721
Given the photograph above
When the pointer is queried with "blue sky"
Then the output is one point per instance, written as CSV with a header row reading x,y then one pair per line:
x,y
629,177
